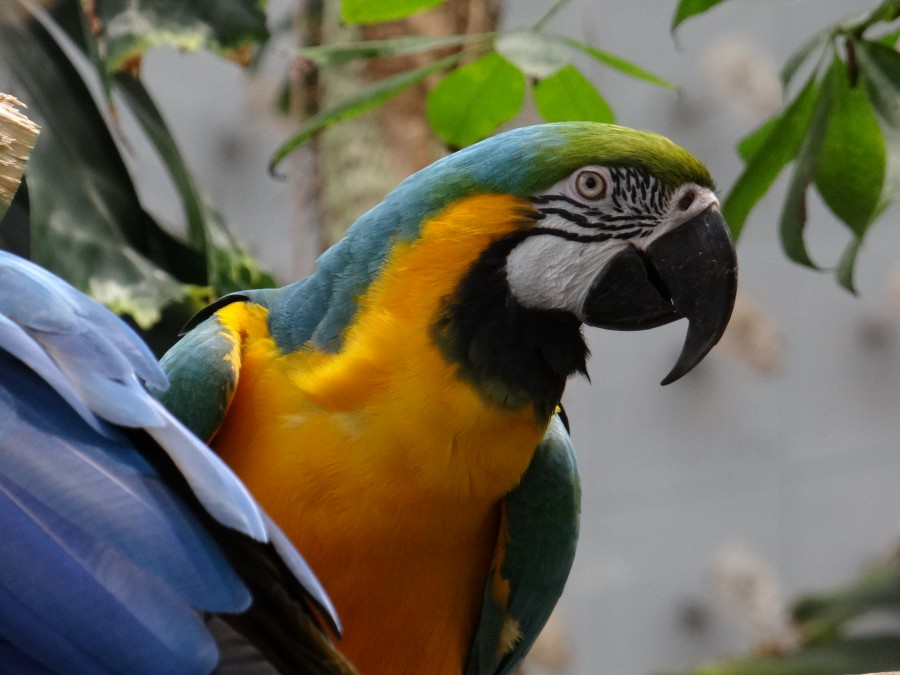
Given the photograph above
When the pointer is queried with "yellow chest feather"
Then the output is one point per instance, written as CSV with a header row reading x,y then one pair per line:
x,y
379,458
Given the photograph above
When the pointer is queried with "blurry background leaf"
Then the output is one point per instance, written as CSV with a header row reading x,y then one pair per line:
x,y
845,655
880,66
229,266
835,637
688,8
367,11
799,57
88,224
618,63
532,52
568,95
129,27
793,214
364,100
851,163
769,150
471,102
336,54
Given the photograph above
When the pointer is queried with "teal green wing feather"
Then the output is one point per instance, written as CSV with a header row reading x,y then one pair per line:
x,y
203,369
535,550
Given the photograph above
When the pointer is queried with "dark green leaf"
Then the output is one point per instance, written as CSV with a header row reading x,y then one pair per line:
x,y
157,131
357,104
851,162
567,95
881,75
688,8
471,102
799,57
867,654
750,144
793,214
230,267
130,27
890,39
877,589
775,151
367,11
844,271
617,62
88,224
329,55
534,53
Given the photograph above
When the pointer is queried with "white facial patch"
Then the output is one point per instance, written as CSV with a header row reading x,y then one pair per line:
x,y
549,272
588,218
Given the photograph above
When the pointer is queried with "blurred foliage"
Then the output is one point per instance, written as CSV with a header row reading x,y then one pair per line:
x,y
841,131
486,83
87,222
854,629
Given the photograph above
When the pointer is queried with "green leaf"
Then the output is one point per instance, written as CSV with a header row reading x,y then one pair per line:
x,y
369,11
230,266
357,104
867,654
844,270
567,95
471,102
881,75
851,162
799,57
329,55
157,131
617,62
793,214
774,152
890,39
876,590
129,27
688,8
750,144
88,224
532,52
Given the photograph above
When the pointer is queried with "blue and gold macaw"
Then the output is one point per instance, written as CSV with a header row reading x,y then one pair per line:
x,y
126,544
397,412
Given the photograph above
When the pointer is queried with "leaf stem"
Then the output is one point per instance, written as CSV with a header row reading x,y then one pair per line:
x,y
550,14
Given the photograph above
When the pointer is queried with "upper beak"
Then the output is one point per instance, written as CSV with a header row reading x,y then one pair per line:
x,y
688,273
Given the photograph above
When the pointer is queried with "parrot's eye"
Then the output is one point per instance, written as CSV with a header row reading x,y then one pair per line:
x,y
590,184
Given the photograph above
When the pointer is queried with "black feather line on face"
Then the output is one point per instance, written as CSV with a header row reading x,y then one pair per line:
x,y
636,204
513,355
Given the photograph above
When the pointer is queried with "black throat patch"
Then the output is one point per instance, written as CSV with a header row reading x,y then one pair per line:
x,y
514,355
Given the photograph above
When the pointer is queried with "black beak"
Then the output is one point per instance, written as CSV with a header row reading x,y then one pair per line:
x,y
688,273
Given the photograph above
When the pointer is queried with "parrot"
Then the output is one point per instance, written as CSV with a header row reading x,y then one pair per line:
x,y
397,412
128,545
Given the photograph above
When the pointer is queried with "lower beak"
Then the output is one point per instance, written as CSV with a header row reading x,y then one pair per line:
x,y
688,273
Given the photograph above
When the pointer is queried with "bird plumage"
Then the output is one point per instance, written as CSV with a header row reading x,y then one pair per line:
x,y
396,411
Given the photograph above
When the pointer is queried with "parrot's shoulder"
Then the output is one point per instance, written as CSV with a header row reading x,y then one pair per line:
x,y
204,366
533,555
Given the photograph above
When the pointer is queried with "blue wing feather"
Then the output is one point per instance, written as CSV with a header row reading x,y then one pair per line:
x,y
536,549
119,526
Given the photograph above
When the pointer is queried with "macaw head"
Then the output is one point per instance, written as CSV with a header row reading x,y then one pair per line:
x,y
630,237
606,226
